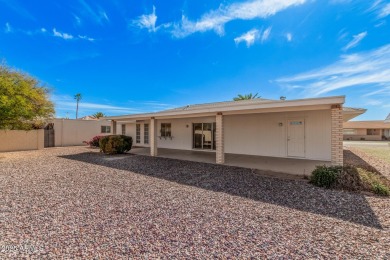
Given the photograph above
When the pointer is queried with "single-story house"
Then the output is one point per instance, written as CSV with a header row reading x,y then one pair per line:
x,y
304,129
375,130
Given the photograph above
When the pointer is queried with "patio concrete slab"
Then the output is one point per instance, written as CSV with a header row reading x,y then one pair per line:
x,y
265,163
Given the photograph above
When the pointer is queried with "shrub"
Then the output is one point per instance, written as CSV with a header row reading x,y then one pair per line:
x,y
380,189
349,179
94,142
325,176
115,144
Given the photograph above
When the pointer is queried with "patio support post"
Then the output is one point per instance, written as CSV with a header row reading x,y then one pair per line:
x,y
113,127
220,148
337,134
153,137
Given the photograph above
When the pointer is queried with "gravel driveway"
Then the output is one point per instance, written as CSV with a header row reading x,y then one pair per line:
x,y
77,203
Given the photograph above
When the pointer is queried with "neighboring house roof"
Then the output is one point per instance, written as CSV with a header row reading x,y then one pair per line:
x,y
374,124
88,118
245,106
387,120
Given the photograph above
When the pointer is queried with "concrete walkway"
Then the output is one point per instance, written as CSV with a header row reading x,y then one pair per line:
x,y
274,164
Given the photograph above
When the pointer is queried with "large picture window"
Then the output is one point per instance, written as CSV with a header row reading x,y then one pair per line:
x,y
166,130
146,133
138,133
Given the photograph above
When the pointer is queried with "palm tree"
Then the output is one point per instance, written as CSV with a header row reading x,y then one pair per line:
x,y
246,97
78,97
98,115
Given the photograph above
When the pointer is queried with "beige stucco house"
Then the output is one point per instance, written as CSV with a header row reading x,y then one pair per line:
x,y
304,129
375,130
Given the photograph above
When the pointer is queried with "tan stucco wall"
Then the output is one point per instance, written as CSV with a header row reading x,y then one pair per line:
x,y
253,134
69,132
19,140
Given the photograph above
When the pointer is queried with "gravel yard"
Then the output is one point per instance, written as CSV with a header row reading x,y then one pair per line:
x,y
77,203
376,155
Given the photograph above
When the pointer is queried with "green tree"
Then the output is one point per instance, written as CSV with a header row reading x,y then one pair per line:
x,y
246,97
78,97
98,115
24,102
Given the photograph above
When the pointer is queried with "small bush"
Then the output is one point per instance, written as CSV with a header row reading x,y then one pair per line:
x,y
349,179
380,189
115,144
94,142
325,176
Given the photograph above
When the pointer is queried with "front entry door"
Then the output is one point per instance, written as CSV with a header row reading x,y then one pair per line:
x,y
296,138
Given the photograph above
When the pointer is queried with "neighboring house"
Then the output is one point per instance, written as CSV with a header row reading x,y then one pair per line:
x,y
387,120
70,132
308,129
366,130
88,118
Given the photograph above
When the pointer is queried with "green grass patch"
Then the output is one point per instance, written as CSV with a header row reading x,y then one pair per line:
x,y
382,153
374,182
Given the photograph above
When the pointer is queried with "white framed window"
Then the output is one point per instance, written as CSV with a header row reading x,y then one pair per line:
x,y
123,129
349,131
166,130
146,133
104,129
138,133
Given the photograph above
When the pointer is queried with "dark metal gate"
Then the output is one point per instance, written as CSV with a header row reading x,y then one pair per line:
x,y
49,135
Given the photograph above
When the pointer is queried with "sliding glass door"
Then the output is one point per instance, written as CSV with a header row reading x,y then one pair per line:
x,y
204,136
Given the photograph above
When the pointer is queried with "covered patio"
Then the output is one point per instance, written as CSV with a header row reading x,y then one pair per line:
x,y
265,163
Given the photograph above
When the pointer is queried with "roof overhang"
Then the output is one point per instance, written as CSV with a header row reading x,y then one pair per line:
x,y
350,114
240,108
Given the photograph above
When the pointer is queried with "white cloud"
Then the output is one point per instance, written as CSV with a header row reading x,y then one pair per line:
x,y
83,37
266,34
97,16
8,28
43,30
65,104
385,11
77,20
64,36
248,37
147,21
104,16
289,37
356,40
363,69
215,20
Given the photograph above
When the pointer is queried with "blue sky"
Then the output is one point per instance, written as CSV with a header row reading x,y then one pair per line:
x,y
128,56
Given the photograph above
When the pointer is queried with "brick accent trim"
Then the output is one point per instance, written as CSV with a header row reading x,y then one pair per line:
x,y
219,136
337,135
